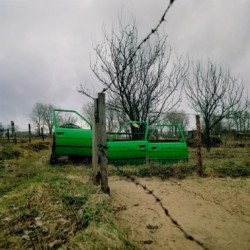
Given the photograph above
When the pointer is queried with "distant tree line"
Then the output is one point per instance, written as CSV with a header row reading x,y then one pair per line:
x,y
41,117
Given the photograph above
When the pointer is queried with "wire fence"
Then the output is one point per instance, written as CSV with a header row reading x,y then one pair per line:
x,y
229,146
14,134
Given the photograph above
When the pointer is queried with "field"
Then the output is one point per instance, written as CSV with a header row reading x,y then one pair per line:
x,y
149,207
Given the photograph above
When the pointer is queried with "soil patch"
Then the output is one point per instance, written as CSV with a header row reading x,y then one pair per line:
x,y
213,212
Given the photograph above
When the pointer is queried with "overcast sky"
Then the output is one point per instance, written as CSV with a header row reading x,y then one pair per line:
x,y
46,45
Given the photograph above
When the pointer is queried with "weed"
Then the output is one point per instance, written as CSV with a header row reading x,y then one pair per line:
x,y
178,170
233,170
36,146
10,151
44,207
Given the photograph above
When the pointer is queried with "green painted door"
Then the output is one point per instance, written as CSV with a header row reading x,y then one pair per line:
x,y
129,144
73,135
73,141
167,144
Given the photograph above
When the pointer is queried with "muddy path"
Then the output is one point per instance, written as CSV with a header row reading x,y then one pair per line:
x,y
195,213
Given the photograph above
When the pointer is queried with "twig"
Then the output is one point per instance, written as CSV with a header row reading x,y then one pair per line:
x,y
85,91
143,41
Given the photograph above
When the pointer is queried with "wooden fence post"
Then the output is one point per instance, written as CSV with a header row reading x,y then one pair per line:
x,y
103,143
29,132
96,175
99,144
198,143
8,134
13,131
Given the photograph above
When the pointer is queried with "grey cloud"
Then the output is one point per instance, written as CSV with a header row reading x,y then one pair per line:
x,y
45,45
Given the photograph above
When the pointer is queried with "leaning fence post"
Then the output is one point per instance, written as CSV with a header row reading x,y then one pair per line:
x,y
29,132
13,131
198,143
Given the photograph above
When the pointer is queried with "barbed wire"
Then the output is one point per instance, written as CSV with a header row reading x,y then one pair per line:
x,y
17,129
153,31
158,200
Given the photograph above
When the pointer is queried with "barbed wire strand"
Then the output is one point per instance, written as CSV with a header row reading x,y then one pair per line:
x,y
187,235
143,41
86,92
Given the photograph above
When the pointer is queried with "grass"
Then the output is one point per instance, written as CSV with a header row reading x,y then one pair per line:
x,y
45,207
231,162
177,170
220,162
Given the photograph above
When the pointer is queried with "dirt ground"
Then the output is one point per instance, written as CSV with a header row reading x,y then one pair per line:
x,y
194,213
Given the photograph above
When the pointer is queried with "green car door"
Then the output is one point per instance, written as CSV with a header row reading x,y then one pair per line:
x,y
166,143
72,133
129,144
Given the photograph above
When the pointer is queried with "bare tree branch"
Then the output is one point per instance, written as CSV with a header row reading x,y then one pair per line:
x,y
128,60
153,31
146,86
214,93
85,91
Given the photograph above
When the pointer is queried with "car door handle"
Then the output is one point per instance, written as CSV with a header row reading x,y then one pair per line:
x,y
154,147
142,146
59,133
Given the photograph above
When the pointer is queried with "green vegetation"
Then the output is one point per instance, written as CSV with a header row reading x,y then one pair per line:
x,y
50,207
164,171
44,207
220,162
231,161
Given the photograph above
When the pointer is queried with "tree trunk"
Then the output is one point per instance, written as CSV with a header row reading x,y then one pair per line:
x,y
208,140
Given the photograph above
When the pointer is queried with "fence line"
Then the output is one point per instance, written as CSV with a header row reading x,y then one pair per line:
x,y
12,133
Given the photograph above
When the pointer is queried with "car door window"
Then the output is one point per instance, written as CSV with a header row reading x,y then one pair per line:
x,y
166,133
130,132
70,119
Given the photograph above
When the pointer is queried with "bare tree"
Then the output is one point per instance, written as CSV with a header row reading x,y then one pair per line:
x,y
177,117
37,116
214,93
88,111
66,119
218,127
137,80
41,116
241,120
112,117
47,117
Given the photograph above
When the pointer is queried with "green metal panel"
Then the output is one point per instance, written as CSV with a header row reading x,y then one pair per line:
x,y
127,151
131,144
70,138
73,142
168,145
